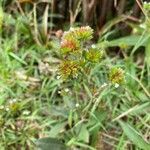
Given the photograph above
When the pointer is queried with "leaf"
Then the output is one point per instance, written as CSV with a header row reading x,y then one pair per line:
x,y
96,124
147,52
128,40
97,117
60,111
143,40
134,136
111,23
134,110
57,129
17,58
83,134
50,144
82,145
131,69
88,91
45,20
141,108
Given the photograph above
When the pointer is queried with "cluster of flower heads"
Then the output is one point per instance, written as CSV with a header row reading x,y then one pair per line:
x,y
76,53
71,40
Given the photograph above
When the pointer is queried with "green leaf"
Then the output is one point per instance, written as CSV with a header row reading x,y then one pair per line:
x,y
97,117
17,58
96,124
141,42
83,134
128,40
50,144
147,52
136,110
132,40
139,109
134,136
57,129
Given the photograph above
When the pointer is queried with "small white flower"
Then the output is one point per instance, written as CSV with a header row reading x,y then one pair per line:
x,y
75,76
77,105
7,109
10,102
104,84
2,107
26,112
116,85
135,30
58,77
93,46
71,29
66,90
14,100
143,26
88,27
59,92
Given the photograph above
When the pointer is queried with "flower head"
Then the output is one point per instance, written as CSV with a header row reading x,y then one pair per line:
x,y
94,55
69,69
14,107
68,35
69,46
82,33
116,75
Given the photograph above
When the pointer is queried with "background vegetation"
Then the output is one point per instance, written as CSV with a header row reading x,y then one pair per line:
x,y
86,113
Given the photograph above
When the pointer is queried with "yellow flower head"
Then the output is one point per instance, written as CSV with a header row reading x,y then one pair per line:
x,y
116,75
69,46
69,69
82,33
94,55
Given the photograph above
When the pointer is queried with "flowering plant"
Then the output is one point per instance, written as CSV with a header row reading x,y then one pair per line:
x,y
76,55
80,92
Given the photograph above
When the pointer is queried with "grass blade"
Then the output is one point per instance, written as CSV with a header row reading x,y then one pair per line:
x,y
134,136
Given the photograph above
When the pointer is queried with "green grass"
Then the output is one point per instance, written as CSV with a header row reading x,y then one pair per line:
x,y
89,116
